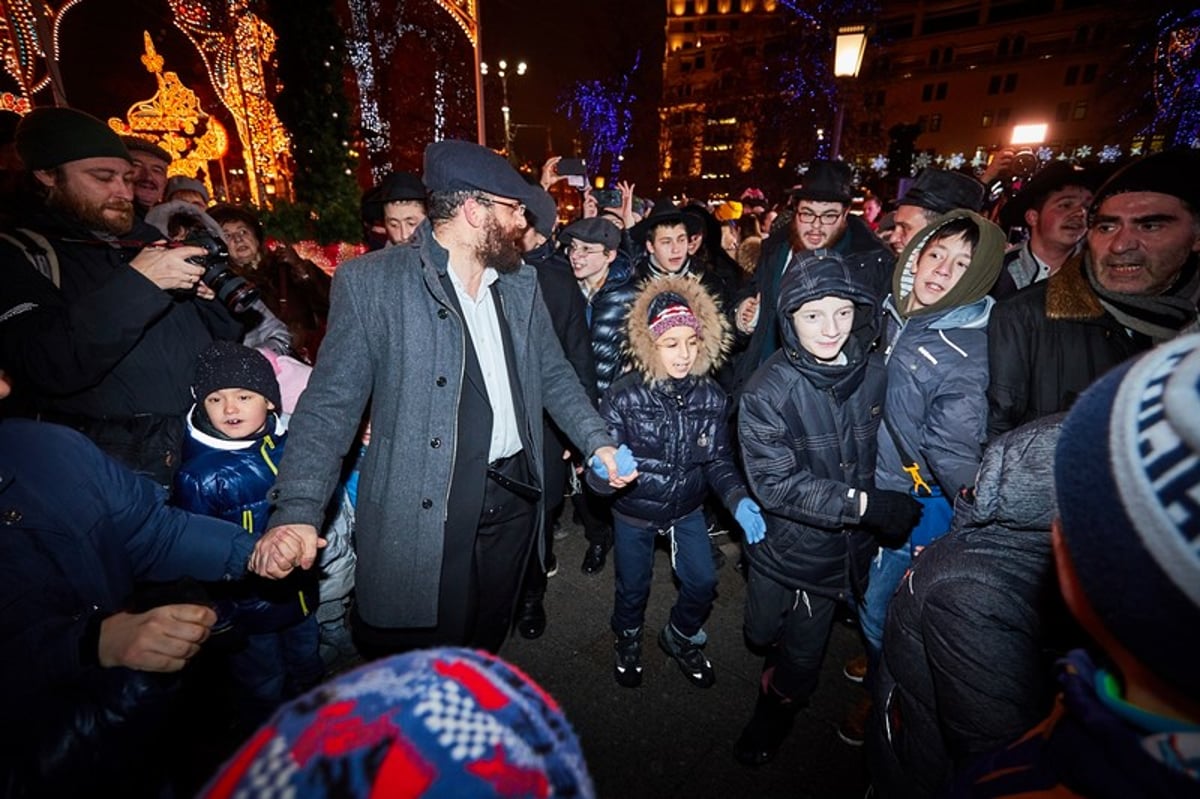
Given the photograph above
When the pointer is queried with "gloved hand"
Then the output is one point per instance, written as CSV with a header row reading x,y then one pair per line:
x,y
626,463
749,516
895,513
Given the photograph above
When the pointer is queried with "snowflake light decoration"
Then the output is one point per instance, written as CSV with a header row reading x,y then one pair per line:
x,y
956,161
1044,154
879,163
1109,153
921,161
1083,151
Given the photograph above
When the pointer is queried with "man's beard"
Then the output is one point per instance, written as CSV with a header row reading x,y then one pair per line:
x,y
118,221
500,250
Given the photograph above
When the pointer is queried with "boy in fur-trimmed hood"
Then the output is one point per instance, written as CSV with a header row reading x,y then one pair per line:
x,y
671,416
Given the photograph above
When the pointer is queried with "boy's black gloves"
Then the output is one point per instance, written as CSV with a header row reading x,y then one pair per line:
x,y
894,513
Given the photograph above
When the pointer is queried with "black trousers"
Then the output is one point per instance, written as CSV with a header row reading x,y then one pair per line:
x,y
478,614
554,474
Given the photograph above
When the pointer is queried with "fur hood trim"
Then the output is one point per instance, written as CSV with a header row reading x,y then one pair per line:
x,y
714,342
1069,295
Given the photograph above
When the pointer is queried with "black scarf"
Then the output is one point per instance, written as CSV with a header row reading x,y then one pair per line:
x,y
1161,317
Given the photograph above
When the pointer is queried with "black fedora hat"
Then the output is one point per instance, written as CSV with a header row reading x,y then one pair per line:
x,y
665,212
827,181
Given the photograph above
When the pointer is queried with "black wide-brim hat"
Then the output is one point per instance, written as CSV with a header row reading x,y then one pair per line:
x,y
665,212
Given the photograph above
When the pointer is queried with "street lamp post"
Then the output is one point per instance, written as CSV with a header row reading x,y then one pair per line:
x,y
849,47
502,73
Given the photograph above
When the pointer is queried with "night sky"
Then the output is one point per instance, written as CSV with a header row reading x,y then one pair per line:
x,y
561,40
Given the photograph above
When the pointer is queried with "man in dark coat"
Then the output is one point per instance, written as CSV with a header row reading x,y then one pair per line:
x,y
448,338
1136,284
568,314
100,331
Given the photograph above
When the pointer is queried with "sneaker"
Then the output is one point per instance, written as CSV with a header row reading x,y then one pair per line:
x,y
853,728
628,666
691,660
551,566
855,669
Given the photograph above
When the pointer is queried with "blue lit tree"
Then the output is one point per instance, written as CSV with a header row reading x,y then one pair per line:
x,y
803,74
602,110
1177,77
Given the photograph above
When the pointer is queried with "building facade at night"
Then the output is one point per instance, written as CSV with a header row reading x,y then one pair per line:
x,y
959,75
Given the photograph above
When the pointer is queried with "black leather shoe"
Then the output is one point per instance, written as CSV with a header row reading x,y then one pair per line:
x,y
593,561
532,621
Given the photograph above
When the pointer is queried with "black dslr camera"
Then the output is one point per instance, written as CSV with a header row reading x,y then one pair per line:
x,y
237,293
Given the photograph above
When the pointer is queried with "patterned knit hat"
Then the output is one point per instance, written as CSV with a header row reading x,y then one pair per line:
x,y
668,310
432,723
1128,477
227,364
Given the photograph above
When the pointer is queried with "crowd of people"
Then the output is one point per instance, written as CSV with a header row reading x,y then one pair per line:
x,y
226,477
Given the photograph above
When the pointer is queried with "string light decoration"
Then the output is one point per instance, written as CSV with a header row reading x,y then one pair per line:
x,y
22,49
1177,76
603,113
171,119
236,46
414,64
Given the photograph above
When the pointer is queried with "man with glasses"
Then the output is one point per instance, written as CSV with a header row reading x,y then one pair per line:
x,y
821,221
450,342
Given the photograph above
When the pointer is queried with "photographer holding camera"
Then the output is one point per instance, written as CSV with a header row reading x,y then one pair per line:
x,y
99,323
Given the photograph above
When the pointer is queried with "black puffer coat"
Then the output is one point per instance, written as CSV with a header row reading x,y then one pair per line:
x,y
607,310
807,432
973,632
676,428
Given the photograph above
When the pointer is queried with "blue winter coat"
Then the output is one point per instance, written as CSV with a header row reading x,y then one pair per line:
x,y
230,480
78,530
678,432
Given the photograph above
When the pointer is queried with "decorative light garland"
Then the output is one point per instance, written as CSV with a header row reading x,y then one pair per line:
x,y
171,118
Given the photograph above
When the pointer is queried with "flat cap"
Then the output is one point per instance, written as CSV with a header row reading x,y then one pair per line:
x,y
592,230
139,145
48,137
542,212
941,192
454,165
184,183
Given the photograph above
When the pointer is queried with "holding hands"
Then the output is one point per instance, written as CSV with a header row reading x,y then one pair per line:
x,y
617,466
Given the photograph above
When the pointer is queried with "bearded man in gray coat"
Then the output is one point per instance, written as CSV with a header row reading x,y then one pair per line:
x,y
448,339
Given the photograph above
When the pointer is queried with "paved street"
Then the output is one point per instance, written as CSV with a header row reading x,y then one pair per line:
x,y
667,738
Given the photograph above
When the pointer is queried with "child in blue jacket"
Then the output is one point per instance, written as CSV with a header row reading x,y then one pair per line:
x,y
235,441
673,417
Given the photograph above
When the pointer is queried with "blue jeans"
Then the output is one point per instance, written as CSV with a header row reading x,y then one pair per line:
x,y
887,569
691,557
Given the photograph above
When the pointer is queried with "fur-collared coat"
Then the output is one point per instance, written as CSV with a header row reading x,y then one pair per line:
x,y
1047,343
676,428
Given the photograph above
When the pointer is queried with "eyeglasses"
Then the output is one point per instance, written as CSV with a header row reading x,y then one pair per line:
x,y
580,250
828,218
513,204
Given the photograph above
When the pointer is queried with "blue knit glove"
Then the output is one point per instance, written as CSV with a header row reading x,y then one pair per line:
x,y
749,516
626,463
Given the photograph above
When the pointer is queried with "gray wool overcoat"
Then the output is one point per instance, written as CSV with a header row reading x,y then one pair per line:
x,y
396,340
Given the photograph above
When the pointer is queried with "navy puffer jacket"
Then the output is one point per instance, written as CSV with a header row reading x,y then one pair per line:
x,y
807,431
676,427
607,310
